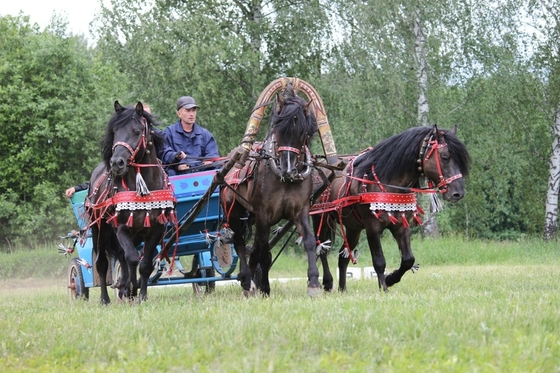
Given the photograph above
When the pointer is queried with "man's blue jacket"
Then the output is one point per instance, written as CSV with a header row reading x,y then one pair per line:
x,y
198,145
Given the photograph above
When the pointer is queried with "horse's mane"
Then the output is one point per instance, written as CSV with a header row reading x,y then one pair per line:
x,y
294,107
397,155
120,119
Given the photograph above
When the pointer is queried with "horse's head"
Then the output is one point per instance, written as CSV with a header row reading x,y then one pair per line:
x,y
292,126
126,138
445,161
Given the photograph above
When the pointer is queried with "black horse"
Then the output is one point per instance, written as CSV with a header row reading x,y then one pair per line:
x,y
377,192
274,184
129,201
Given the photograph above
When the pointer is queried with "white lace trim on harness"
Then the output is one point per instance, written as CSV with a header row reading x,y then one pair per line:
x,y
385,206
150,205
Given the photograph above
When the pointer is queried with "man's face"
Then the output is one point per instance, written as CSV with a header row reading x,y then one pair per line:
x,y
187,116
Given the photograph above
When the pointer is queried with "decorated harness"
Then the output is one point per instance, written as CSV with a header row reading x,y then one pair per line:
x,y
381,202
142,199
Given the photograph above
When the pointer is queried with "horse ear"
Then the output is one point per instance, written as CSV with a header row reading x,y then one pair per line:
x,y
118,107
435,130
280,102
453,130
438,134
140,109
308,107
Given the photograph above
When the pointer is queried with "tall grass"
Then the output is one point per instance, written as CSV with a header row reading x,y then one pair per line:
x,y
473,307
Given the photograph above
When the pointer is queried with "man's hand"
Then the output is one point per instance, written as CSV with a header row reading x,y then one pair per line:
x,y
183,167
70,192
181,155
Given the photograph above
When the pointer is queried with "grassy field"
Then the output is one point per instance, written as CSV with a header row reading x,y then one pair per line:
x,y
473,307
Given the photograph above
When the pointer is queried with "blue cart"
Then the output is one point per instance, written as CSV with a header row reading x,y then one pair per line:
x,y
197,242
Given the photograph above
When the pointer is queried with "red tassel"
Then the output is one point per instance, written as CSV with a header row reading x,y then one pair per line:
x,y
404,221
130,220
113,219
172,218
417,219
375,214
393,219
419,209
162,219
147,223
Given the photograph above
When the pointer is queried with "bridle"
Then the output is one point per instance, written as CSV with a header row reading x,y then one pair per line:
x,y
141,144
273,152
430,146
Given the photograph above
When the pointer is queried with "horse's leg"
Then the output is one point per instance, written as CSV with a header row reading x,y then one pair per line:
x,y
244,276
132,258
324,235
122,281
261,249
146,265
352,237
99,236
402,235
377,256
309,243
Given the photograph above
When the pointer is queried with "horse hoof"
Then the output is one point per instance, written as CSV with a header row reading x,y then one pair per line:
x,y
314,292
251,292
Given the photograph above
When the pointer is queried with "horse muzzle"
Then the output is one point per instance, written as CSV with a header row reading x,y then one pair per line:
x,y
118,165
292,175
453,192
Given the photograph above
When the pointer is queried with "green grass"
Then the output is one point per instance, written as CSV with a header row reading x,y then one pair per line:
x,y
473,307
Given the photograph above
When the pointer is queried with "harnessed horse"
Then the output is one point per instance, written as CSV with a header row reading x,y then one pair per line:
x,y
129,200
377,191
274,184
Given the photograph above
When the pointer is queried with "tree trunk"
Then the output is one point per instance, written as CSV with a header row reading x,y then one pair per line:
x,y
421,70
431,228
551,215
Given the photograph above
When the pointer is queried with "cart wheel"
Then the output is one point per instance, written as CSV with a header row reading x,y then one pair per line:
x,y
210,285
76,285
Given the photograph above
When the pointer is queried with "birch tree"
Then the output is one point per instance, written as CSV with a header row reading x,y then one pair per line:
x,y
546,26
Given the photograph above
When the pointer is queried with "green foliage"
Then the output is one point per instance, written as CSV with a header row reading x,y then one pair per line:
x,y
222,53
503,133
486,74
56,98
